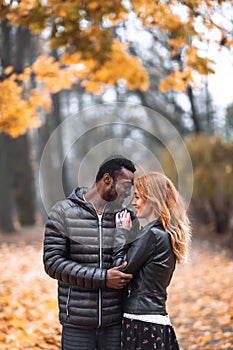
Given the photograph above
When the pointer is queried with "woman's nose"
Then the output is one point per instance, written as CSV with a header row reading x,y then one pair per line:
x,y
133,202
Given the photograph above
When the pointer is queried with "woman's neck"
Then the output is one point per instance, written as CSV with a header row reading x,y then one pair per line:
x,y
151,217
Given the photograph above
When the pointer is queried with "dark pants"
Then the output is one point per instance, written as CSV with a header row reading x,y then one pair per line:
x,y
107,338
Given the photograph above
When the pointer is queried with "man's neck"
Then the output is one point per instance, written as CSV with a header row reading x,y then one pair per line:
x,y
94,197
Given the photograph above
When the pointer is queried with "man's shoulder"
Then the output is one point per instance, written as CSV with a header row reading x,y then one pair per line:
x,y
63,205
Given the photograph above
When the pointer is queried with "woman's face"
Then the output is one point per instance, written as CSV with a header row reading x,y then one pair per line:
x,y
143,208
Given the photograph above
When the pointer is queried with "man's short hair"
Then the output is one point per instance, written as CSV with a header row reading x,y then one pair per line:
x,y
113,165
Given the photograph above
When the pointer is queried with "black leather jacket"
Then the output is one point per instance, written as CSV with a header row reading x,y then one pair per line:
x,y
77,252
152,261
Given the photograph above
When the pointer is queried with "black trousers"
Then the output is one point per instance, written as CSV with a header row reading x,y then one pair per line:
x,y
107,338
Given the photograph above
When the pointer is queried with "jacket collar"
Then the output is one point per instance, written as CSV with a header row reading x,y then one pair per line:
x,y
154,223
77,197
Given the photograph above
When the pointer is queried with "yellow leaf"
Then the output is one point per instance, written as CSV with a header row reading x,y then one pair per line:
x,y
92,5
9,70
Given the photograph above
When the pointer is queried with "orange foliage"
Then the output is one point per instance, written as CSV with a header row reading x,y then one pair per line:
x,y
50,74
199,64
17,114
177,81
180,30
90,54
122,65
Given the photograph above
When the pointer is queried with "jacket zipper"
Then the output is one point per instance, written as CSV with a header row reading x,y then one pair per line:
x,y
100,265
67,303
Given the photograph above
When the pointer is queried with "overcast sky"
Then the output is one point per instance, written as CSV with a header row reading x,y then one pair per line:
x,y
221,83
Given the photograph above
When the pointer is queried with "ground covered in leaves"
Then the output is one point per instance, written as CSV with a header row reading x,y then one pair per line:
x,y
200,300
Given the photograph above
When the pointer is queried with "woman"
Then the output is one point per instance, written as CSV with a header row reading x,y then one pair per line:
x,y
151,258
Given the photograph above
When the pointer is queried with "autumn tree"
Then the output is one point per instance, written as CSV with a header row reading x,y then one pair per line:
x,y
179,38
90,54
17,183
212,198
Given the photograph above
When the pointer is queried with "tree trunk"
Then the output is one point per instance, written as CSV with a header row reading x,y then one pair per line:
x,y
196,122
5,44
6,207
56,121
48,171
209,111
23,39
24,192
222,217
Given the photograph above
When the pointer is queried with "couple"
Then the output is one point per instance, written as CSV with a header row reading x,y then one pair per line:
x,y
105,264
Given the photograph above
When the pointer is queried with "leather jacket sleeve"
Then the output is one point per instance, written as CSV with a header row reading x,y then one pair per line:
x,y
56,257
140,252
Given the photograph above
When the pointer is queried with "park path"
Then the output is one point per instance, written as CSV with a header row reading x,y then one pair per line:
x,y
200,298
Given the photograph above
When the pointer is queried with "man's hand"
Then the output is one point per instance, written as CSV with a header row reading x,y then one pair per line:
x,y
117,279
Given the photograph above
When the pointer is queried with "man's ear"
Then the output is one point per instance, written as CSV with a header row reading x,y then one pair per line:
x,y
107,179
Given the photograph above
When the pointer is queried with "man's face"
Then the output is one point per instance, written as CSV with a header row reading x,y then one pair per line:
x,y
120,188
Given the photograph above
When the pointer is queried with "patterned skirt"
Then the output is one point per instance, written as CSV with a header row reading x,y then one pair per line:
x,y
139,335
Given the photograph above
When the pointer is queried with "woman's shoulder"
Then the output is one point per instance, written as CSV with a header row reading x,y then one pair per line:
x,y
154,226
154,229
159,232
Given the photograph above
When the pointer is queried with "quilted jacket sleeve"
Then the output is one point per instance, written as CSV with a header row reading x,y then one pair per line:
x,y
56,256
123,240
120,246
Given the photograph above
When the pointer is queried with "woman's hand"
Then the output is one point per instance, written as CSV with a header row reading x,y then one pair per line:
x,y
123,220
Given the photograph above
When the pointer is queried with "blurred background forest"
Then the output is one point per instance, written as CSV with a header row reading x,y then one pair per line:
x,y
59,58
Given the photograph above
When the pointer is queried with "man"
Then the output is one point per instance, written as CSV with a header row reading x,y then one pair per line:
x,y
78,248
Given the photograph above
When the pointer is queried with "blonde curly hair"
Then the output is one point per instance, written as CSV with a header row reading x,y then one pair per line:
x,y
168,208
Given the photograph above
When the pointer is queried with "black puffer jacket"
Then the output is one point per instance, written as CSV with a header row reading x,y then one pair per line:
x,y
77,252
152,261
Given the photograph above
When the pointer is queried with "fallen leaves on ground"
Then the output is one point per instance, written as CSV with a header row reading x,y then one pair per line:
x,y
199,300
28,306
